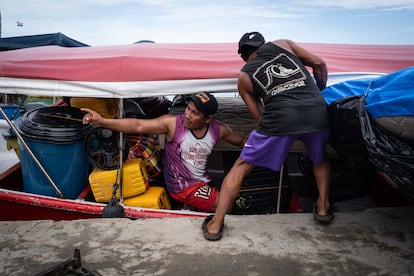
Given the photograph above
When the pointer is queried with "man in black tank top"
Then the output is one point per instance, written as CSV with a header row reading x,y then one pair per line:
x,y
287,105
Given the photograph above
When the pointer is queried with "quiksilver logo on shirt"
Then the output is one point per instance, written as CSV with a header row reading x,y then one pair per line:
x,y
279,74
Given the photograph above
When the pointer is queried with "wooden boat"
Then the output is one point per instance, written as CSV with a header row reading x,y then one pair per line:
x,y
24,206
143,71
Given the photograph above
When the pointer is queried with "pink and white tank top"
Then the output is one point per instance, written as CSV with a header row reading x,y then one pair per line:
x,y
185,161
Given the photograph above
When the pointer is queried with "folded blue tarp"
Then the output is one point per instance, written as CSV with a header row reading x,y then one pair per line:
x,y
386,96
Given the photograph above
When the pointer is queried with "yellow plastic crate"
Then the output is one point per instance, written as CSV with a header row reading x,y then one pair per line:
x,y
135,181
155,198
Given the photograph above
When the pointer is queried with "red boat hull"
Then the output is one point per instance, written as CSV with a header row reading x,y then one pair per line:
x,y
16,205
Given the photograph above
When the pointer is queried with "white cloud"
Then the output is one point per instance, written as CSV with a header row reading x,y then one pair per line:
x,y
108,22
358,4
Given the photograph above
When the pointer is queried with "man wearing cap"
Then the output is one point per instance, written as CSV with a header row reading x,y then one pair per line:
x,y
190,138
287,105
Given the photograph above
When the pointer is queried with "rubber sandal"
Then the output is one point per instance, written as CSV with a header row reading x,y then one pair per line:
x,y
323,219
209,236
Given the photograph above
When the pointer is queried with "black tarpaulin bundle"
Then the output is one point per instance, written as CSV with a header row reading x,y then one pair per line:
x,y
365,145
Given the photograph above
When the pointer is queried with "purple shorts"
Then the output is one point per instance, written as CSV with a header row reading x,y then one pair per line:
x,y
272,151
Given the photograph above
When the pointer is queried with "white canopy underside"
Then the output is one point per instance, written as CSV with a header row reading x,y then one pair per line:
x,y
137,89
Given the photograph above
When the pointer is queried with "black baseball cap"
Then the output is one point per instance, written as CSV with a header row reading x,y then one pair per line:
x,y
204,102
254,39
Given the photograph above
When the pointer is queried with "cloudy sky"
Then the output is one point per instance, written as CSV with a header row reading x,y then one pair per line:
x,y
112,22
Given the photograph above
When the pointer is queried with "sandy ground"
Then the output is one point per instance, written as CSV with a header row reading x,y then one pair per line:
x,y
373,242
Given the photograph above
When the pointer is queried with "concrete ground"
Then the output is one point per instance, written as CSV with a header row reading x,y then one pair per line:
x,y
377,241
374,242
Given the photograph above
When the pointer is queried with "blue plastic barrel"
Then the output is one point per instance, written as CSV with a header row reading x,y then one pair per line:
x,y
11,110
55,135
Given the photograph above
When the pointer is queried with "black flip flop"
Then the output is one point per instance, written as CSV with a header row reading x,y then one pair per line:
x,y
323,219
208,235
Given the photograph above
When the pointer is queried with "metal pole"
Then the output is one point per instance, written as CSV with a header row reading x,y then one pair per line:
x,y
121,150
280,187
55,187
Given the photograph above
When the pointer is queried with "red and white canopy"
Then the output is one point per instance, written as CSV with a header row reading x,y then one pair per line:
x,y
151,69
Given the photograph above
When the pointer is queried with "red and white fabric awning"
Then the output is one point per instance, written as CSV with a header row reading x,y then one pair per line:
x,y
150,69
